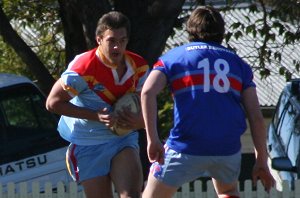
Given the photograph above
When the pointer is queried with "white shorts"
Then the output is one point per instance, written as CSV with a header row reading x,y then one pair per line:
x,y
181,168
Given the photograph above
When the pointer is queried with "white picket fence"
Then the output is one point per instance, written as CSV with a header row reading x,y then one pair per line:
x,y
189,190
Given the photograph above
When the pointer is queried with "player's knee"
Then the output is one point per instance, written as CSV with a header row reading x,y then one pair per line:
x,y
228,196
226,190
130,193
229,193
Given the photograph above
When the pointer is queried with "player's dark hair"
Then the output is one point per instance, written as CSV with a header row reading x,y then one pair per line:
x,y
206,24
113,20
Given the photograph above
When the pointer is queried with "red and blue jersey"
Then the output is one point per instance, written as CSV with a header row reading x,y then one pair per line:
x,y
95,85
104,80
206,81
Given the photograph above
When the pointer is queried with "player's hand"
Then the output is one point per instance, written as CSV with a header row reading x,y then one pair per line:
x,y
129,120
156,152
107,118
263,173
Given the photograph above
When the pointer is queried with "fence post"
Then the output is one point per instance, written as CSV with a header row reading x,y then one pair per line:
x,y
274,193
73,190
248,189
198,188
210,190
297,188
23,190
285,189
1,191
260,190
48,190
176,195
61,190
35,186
10,190
185,190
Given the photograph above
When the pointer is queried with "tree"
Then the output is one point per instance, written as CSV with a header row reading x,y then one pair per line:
x,y
152,23
264,25
31,30
275,22
25,52
63,28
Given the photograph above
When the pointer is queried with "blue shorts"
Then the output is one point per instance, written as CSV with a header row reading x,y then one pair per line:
x,y
86,162
181,168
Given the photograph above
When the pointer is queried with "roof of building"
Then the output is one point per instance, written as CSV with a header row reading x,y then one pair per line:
x,y
268,89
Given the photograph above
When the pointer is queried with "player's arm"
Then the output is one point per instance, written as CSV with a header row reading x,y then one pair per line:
x,y
155,82
58,102
259,135
256,122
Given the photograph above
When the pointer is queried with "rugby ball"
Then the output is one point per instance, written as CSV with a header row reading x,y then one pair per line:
x,y
133,103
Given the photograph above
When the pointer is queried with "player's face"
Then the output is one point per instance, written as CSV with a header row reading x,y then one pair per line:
x,y
113,44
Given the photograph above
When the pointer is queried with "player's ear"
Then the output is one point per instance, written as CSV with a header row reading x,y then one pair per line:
x,y
98,39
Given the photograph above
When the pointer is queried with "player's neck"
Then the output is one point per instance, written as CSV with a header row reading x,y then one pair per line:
x,y
121,69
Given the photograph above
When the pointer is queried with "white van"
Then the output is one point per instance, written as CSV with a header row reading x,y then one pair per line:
x,y
30,146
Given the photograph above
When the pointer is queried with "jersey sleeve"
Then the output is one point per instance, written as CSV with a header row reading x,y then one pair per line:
x,y
73,83
247,76
160,66
142,80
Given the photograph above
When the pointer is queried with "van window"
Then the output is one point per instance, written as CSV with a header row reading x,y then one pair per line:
x,y
27,128
279,113
286,125
25,110
287,128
